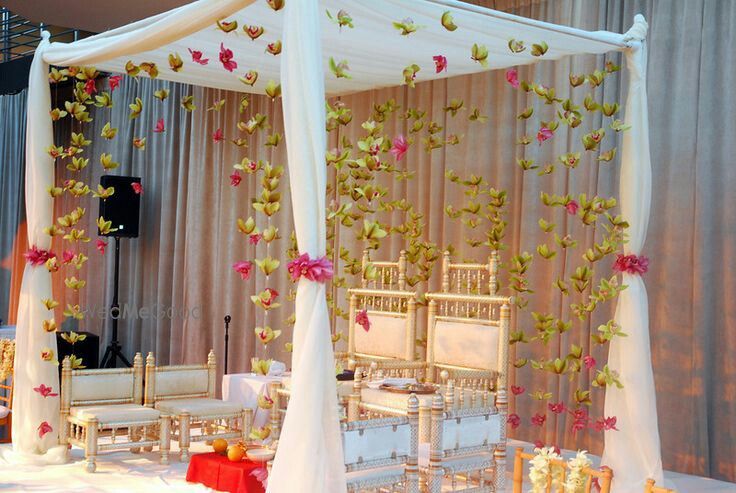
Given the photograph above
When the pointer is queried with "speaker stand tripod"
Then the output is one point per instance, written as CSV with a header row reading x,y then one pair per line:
x,y
114,350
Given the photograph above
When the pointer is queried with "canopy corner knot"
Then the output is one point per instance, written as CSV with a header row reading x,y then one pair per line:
x,y
638,31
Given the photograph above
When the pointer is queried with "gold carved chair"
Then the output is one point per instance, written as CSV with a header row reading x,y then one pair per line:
x,y
470,278
97,404
603,475
187,394
381,274
650,488
382,454
466,446
7,354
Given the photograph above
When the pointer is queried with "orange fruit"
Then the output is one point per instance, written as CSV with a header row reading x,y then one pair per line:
x,y
219,445
235,453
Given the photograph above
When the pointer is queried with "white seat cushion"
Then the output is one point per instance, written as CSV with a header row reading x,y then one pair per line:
x,y
385,475
115,413
198,407
4,411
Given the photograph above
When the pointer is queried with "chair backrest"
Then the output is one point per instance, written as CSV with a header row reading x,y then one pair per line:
x,y
381,274
603,475
7,355
465,431
650,488
180,381
470,278
393,318
102,386
467,337
383,442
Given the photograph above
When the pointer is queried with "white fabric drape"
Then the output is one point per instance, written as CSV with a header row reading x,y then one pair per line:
x,y
30,408
309,456
633,452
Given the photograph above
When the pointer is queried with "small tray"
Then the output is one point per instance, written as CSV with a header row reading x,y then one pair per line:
x,y
410,388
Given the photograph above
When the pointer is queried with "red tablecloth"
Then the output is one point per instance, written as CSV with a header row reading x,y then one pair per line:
x,y
217,472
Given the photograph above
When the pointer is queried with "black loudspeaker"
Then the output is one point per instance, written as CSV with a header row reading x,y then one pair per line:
x,y
123,206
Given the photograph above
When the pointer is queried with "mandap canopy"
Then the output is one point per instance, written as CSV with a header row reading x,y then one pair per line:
x,y
300,46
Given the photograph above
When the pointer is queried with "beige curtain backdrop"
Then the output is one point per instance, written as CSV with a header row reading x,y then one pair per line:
x,y
189,241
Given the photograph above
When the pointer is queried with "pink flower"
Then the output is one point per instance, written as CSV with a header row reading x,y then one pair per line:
x,y
514,420
361,318
273,293
589,362
631,264
512,77
538,444
101,245
539,419
45,391
399,147
235,178
544,134
517,390
252,165
261,475
243,268
605,424
580,419
217,137
556,408
67,256
255,238
89,87
44,428
197,57
137,187
440,63
317,270
114,82
572,207
159,128
36,256
226,58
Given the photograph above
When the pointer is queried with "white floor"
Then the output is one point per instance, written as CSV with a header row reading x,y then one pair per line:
x,y
119,472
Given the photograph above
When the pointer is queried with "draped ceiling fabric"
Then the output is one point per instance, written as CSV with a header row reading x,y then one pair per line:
x,y
376,55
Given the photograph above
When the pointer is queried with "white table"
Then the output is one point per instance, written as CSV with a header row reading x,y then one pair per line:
x,y
244,389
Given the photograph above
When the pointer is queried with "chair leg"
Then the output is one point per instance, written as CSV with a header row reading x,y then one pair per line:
x,y
184,423
499,456
90,449
165,438
134,437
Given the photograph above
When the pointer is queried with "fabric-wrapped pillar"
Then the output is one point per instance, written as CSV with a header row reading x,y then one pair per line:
x,y
309,457
633,452
35,417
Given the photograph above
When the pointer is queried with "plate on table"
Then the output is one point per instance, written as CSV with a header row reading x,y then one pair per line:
x,y
410,388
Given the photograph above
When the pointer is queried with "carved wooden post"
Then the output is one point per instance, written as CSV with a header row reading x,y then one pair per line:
x,y
493,274
150,395
435,445
351,326
184,424
431,315
363,267
138,379
165,438
90,449
246,422
446,272
211,374
499,454
275,414
402,270
412,464
66,399
411,334
518,471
